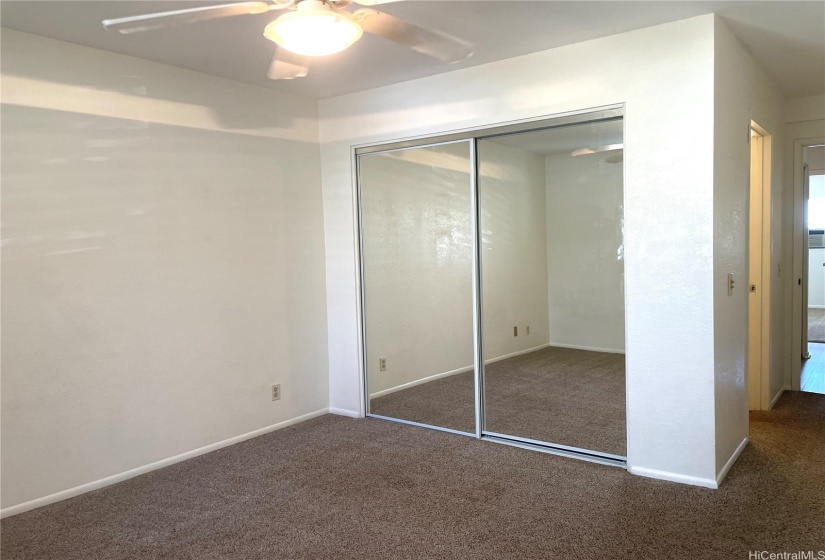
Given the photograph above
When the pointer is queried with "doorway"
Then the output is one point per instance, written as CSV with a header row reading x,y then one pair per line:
x,y
807,356
812,376
759,267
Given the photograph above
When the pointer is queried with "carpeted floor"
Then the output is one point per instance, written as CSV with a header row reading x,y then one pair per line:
x,y
816,325
341,488
557,395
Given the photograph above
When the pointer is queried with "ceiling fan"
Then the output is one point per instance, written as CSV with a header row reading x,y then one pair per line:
x,y
310,28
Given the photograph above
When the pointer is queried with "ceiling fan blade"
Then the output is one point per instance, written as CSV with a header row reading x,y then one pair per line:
x,y
287,66
597,149
440,46
146,22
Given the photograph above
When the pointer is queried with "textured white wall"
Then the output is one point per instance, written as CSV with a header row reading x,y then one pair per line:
x,y
664,75
816,199
162,266
418,258
585,252
742,93
805,109
816,278
816,257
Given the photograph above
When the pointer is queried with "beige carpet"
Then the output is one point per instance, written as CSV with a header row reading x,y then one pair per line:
x,y
340,488
558,395
816,325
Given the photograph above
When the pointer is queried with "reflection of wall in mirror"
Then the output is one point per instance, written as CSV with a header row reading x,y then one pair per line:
x,y
417,250
514,250
419,316
551,258
585,252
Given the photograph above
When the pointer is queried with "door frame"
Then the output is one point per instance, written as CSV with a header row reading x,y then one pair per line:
x,y
806,259
798,279
763,284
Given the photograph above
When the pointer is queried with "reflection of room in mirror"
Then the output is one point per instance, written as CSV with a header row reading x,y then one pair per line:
x,y
553,259
417,264
552,285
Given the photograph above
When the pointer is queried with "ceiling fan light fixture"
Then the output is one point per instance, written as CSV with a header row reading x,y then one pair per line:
x,y
597,149
313,29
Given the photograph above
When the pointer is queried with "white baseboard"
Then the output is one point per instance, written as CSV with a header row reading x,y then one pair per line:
x,y
692,480
588,348
674,477
453,372
736,453
490,361
344,412
779,394
120,477
816,306
420,381
519,353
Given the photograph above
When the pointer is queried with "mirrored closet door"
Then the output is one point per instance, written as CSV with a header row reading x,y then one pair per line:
x,y
492,268
417,275
550,215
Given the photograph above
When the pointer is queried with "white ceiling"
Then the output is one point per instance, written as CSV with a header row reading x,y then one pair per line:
x,y
786,37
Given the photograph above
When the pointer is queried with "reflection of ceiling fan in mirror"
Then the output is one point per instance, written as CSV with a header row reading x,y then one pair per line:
x,y
310,28
614,152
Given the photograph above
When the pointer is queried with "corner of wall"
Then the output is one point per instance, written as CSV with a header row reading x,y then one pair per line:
x,y
742,93
221,277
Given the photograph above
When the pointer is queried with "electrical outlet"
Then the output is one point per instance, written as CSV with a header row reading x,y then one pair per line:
x,y
276,392
382,364
527,330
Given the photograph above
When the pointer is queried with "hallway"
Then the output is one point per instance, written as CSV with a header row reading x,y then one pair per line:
x,y
812,379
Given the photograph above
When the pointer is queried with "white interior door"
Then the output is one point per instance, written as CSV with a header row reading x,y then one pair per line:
x,y
755,276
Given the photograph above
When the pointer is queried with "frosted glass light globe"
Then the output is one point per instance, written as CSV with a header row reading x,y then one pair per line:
x,y
313,30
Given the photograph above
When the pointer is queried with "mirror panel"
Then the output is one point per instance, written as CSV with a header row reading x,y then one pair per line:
x,y
552,271
417,259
